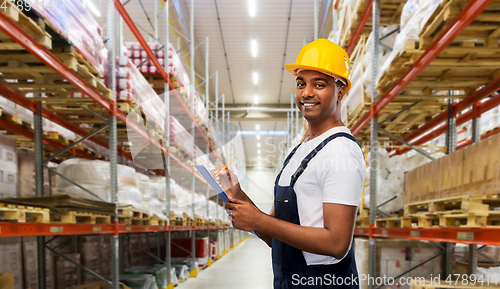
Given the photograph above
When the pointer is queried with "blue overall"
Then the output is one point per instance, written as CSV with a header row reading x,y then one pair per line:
x,y
289,264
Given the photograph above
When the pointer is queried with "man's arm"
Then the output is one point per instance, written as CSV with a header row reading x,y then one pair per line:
x,y
338,228
265,237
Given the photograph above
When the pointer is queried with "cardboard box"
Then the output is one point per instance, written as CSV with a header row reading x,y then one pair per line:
x,y
67,274
8,168
6,281
395,256
30,255
26,187
90,257
11,259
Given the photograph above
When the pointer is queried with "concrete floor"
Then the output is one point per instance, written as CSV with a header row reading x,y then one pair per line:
x,y
247,266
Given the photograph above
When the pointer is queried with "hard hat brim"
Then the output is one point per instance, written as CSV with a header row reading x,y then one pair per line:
x,y
292,68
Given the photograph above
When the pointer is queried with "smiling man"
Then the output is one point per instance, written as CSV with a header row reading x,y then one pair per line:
x,y
317,192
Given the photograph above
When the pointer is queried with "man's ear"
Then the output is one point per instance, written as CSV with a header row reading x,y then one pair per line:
x,y
342,92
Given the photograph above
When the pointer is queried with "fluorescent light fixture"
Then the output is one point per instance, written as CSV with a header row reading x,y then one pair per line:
x,y
256,99
258,144
92,8
258,137
259,157
252,8
258,151
257,127
253,45
255,77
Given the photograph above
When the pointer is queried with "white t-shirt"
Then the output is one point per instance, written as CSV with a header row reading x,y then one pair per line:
x,y
335,175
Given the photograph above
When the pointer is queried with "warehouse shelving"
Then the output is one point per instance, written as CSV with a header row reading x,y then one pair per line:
x,y
177,170
431,128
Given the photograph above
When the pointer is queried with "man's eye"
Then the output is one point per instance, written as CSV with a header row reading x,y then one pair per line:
x,y
300,85
319,85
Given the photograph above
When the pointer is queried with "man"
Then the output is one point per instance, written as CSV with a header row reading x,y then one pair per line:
x,y
317,192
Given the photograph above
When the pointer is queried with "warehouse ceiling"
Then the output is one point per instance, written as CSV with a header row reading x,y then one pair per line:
x,y
279,27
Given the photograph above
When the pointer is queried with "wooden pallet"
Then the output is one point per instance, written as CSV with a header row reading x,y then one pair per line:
x,y
75,217
463,219
187,221
33,76
130,216
467,204
23,214
469,62
34,27
390,13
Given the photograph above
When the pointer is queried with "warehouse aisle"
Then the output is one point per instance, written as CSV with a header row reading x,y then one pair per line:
x,y
247,266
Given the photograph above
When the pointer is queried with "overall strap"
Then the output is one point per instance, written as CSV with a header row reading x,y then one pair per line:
x,y
287,160
305,161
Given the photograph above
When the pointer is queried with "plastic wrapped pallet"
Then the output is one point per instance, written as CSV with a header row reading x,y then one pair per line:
x,y
93,175
149,191
142,281
132,86
413,17
182,272
159,273
79,26
8,167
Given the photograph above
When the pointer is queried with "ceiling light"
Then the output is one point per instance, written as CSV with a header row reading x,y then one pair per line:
x,y
252,8
253,45
92,8
259,157
257,127
260,163
255,77
258,144
258,151
258,137
256,99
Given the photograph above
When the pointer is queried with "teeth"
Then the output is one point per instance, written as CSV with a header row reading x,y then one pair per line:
x,y
309,104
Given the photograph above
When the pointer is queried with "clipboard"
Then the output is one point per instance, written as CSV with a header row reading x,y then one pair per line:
x,y
213,183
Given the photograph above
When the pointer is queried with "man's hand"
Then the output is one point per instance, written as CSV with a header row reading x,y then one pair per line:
x,y
244,215
229,182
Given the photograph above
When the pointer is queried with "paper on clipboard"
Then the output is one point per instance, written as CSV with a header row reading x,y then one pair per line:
x,y
213,183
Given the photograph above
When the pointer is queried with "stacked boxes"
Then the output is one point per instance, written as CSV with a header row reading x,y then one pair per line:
x,y
472,171
89,246
8,167
395,256
68,275
10,250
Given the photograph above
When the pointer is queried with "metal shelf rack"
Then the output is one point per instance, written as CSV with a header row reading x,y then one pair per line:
x,y
114,9
421,135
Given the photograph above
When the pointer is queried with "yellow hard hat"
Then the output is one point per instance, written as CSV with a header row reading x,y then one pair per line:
x,y
324,56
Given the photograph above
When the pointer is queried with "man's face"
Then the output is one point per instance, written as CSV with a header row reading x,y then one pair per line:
x,y
316,95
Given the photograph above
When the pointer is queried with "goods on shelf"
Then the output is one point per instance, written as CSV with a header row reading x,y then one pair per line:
x,y
139,281
94,176
11,248
150,195
182,272
67,274
26,187
181,249
159,272
391,177
492,273
70,18
469,172
395,256
133,87
8,167
140,59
